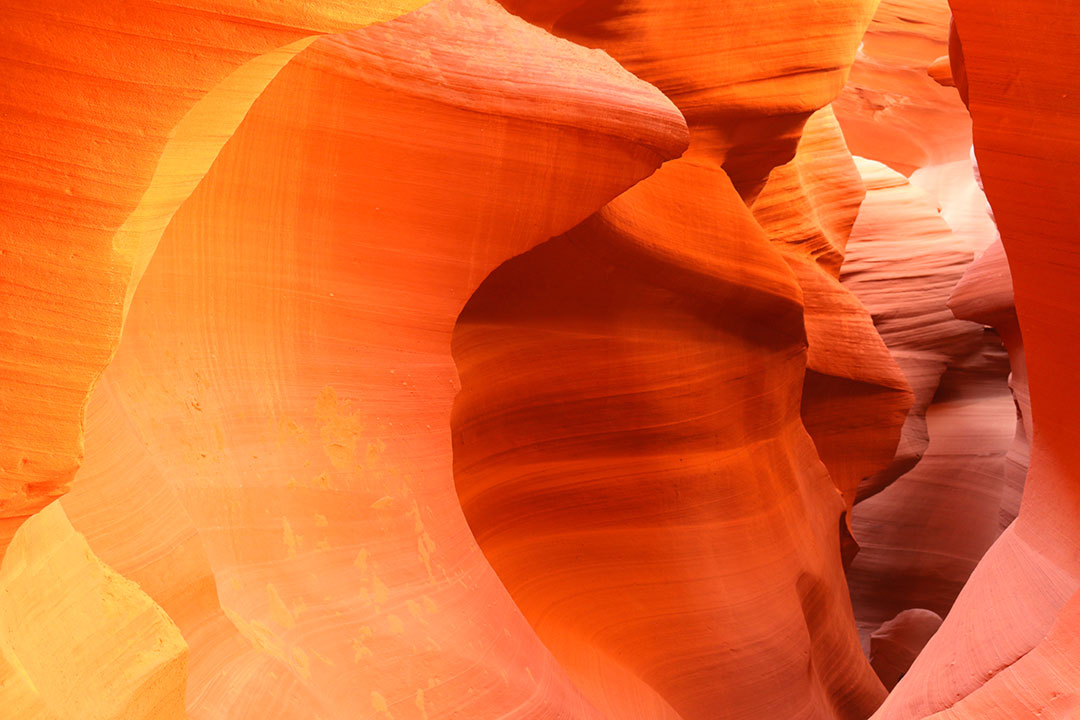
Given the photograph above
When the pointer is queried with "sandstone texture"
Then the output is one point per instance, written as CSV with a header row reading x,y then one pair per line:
x,y
539,360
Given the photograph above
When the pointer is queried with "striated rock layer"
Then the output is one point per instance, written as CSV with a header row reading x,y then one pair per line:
x,y
918,521
704,355
276,418
1017,62
629,445
902,262
894,109
925,521
110,114
854,398
102,649
985,295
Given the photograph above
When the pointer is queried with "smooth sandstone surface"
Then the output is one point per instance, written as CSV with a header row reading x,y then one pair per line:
x,y
902,262
985,295
893,109
104,651
635,429
855,398
922,536
896,643
539,360
924,522
277,415
110,115
620,484
1015,60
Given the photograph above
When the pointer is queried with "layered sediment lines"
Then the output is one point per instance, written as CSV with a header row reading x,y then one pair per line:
x,y
985,295
902,262
270,447
629,445
1016,60
924,522
110,114
538,359
855,398
77,640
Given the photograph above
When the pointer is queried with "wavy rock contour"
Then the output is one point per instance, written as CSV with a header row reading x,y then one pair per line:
x,y
629,448
111,115
277,413
1013,63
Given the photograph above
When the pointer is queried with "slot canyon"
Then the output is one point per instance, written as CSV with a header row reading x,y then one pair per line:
x,y
539,360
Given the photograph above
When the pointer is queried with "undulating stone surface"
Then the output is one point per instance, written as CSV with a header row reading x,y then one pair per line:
x,y
642,417
546,360
277,414
899,108
985,295
924,521
895,644
110,114
102,650
855,397
922,536
1017,61
903,262
893,110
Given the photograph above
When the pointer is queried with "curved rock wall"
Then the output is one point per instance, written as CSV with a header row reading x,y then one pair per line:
x,y
643,417
1017,62
537,360
275,423
111,114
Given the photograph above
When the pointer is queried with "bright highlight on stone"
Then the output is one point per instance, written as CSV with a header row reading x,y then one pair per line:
x,y
562,359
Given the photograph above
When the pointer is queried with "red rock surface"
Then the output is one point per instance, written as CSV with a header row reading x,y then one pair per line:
x,y
1017,61
925,521
619,483
985,295
896,643
918,548
538,360
902,263
609,424
855,398
276,421
111,114
893,110
922,536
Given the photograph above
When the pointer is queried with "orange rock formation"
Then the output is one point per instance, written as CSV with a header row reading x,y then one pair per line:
x,y
1016,63
112,113
521,359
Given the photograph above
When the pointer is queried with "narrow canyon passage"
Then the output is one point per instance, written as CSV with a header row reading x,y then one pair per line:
x,y
570,359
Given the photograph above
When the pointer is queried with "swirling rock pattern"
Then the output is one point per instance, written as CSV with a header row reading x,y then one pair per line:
x,y
619,484
623,435
924,521
103,650
893,110
855,398
902,263
985,295
111,114
538,360
896,643
276,419
1016,64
